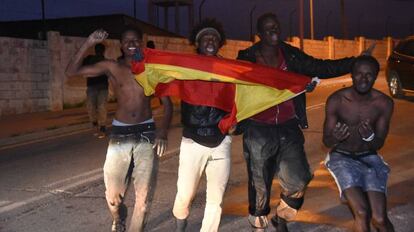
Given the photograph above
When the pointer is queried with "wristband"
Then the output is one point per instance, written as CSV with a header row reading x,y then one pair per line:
x,y
370,138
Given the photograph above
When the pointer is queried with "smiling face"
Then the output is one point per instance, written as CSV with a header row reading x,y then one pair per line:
x,y
208,44
363,75
269,31
130,43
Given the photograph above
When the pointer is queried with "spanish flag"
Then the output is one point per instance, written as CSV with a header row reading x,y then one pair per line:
x,y
241,88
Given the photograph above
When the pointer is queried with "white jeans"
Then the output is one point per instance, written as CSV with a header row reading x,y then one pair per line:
x,y
121,152
194,158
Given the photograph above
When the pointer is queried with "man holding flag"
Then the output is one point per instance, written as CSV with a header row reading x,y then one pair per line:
x,y
203,146
216,93
272,140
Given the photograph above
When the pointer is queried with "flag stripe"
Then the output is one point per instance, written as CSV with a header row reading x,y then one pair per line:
x,y
240,88
243,71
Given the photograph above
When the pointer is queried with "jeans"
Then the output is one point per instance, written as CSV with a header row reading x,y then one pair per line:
x,y
270,150
96,100
369,172
194,159
130,157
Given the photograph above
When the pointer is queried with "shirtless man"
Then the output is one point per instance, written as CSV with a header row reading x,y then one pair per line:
x,y
356,125
133,136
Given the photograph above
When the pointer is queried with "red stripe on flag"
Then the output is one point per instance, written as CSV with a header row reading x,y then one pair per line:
x,y
215,94
244,71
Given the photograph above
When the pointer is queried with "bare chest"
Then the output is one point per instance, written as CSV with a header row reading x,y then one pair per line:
x,y
124,80
267,60
353,112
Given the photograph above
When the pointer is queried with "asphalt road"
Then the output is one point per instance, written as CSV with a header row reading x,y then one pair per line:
x,y
57,185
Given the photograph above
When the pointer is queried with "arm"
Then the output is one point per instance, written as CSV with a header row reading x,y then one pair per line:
x,y
334,132
321,68
381,126
300,62
162,132
75,67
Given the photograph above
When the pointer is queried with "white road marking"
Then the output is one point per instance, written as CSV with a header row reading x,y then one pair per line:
x,y
314,107
2,203
52,192
54,188
85,174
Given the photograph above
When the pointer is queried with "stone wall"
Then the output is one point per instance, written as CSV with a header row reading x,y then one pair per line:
x,y
229,50
32,72
24,76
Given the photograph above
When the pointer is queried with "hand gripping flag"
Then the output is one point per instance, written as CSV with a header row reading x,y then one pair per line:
x,y
241,88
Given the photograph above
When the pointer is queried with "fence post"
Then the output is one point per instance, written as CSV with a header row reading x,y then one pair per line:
x,y
361,44
390,45
331,47
295,41
56,73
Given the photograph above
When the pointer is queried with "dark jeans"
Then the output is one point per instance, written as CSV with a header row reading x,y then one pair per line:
x,y
270,150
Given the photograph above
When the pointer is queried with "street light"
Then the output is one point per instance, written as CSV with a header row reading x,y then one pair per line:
x,y
387,22
135,9
360,16
199,10
291,21
327,22
301,27
311,19
44,33
251,22
412,26
343,16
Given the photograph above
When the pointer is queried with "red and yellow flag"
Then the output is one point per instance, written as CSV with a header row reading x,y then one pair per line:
x,y
241,88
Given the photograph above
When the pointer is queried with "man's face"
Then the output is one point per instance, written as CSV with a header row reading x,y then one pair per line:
x,y
130,43
208,44
270,32
363,77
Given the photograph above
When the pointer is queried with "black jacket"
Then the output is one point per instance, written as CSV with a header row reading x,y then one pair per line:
x,y
299,62
201,124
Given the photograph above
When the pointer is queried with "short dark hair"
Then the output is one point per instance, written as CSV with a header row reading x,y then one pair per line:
x,y
366,59
136,30
208,22
99,48
150,44
264,17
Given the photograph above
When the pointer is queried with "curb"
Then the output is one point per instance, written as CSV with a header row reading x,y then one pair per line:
x,y
41,135
44,134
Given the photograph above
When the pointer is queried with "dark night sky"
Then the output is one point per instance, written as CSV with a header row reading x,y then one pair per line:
x,y
372,18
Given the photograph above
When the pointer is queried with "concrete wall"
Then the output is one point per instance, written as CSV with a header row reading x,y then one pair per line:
x,y
229,50
32,72
24,76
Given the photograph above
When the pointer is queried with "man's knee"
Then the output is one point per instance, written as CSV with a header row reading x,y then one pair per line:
x,y
114,198
362,213
180,212
295,182
181,208
379,220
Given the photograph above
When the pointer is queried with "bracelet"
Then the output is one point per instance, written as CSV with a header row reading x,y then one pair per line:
x,y
370,138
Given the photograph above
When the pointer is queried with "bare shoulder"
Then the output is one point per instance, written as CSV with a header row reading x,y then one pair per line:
x,y
116,67
338,95
383,103
109,62
382,98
